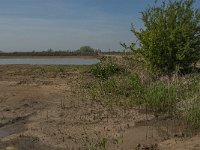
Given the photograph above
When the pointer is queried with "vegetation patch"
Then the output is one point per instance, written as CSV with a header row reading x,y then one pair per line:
x,y
107,68
161,94
170,39
161,97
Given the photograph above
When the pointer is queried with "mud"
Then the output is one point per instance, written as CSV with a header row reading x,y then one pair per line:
x,y
41,111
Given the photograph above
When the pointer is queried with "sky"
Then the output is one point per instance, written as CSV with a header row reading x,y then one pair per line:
x,y
27,25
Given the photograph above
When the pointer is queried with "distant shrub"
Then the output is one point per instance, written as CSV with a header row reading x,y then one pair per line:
x,y
105,71
86,49
108,67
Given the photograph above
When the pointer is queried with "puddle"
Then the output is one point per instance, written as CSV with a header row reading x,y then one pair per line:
x,y
3,133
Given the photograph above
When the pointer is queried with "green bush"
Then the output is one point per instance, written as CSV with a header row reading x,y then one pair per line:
x,y
170,39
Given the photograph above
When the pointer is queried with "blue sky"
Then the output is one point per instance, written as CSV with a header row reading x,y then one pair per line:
x,y
27,25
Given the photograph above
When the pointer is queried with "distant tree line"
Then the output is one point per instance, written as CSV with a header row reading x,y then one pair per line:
x,y
83,51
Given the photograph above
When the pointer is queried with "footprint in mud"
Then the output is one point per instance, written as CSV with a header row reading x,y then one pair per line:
x,y
147,147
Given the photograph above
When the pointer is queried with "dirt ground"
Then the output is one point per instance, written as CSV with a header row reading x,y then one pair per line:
x,y
55,112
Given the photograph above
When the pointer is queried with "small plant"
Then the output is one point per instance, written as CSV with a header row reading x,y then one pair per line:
x,y
100,145
94,144
103,144
125,89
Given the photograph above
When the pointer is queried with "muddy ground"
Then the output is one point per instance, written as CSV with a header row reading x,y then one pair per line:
x,y
43,111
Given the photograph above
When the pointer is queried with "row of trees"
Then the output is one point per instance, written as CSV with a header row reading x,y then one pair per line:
x,y
170,38
83,51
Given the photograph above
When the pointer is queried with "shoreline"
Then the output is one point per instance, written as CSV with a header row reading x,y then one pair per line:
x,y
48,57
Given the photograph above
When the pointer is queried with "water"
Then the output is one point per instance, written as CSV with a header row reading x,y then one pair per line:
x,y
3,133
49,61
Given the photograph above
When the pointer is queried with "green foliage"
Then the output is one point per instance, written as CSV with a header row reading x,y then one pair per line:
x,y
129,86
192,110
170,39
123,91
103,144
129,90
160,97
100,145
172,96
104,69
134,85
191,99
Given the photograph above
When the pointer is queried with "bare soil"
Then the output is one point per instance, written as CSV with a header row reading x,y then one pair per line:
x,y
55,112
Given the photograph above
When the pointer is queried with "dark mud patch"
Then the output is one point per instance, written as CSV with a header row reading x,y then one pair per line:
x,y
3,133
27,143
9,126
147,147
34,81
9,121
33,104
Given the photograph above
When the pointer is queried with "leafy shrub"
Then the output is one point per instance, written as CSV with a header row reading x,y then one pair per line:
x,y
170,39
